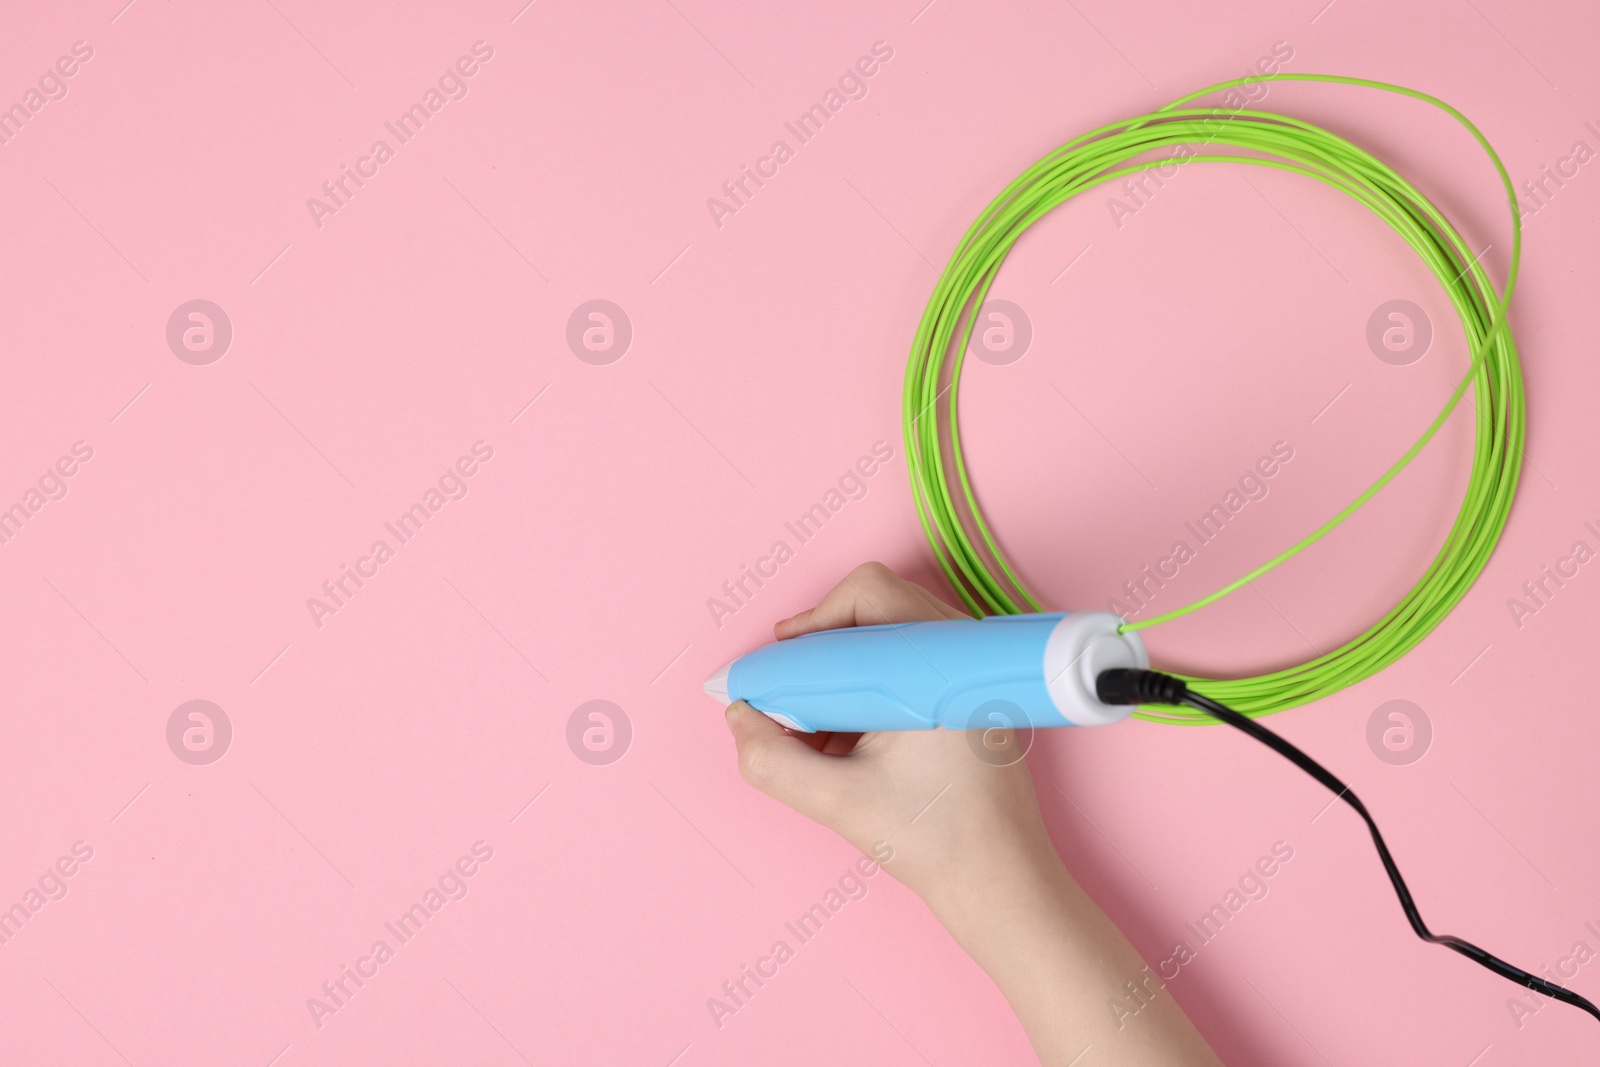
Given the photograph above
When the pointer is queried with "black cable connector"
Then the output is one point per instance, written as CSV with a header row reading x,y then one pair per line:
x,y
1124,685
1129,686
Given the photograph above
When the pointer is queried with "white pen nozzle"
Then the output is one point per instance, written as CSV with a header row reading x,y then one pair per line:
x,y
716,687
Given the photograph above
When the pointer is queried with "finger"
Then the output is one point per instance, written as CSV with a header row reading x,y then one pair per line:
x,y
818,740
869,595
783,766
938,604
827,742
840,744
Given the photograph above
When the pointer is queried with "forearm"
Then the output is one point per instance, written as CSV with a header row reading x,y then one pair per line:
x,y
1060,962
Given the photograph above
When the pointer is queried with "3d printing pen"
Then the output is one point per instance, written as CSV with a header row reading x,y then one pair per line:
x,y
961,674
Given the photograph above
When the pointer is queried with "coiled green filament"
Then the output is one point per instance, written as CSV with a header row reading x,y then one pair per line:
x,y
975,565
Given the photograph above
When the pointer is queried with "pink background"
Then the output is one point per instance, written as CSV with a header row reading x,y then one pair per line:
x,y
368,354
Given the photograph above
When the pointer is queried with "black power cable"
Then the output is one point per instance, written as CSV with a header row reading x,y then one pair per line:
x,y
1128,686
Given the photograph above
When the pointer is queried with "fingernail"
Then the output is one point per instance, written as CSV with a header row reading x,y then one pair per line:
x,y
732,714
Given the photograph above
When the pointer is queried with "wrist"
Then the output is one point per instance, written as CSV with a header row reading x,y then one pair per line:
x,y
1008,883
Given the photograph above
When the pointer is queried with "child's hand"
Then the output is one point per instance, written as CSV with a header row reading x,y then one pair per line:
x,y
950,820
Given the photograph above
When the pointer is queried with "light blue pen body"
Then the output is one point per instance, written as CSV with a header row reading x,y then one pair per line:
x,y
1030,670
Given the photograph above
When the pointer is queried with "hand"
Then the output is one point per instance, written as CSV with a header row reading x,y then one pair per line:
x,y
966,835
949,819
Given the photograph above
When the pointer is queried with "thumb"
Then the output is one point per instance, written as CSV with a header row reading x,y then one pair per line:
x,y
783,766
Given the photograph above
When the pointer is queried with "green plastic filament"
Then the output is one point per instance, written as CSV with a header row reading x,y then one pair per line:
x,y
955,526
